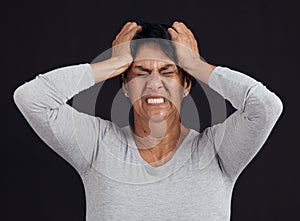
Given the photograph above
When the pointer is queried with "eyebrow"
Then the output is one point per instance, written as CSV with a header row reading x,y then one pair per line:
x,y
140,67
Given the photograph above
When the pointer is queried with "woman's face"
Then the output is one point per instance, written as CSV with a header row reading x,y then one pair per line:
x,y
154,85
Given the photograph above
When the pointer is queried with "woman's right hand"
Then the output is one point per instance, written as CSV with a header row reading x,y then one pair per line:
x,y
121,43
121,57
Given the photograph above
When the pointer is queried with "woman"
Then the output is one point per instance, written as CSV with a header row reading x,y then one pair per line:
x,y
154,169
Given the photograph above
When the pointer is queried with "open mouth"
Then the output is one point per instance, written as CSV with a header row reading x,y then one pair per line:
x,y
155,100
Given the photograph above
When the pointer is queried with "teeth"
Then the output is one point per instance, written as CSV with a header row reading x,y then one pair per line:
x,y
155,100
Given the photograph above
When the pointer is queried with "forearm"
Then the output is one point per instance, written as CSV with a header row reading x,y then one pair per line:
x,y
199,69
233,85
245,93
109,68
54,88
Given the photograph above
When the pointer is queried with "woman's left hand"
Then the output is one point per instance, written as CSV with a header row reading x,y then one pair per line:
x,y
187,48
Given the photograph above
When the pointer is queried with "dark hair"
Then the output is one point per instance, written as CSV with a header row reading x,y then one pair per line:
x,y
152,33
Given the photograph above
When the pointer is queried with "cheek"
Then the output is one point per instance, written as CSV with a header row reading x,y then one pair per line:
x,y
135,90
175,88
176,94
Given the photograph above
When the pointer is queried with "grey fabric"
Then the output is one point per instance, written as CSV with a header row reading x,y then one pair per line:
x,y
195,184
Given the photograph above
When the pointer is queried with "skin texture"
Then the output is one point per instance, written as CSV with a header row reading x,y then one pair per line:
x,y
157,126
157,129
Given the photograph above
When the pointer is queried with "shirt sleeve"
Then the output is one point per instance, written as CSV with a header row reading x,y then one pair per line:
x,y
238,139
71,134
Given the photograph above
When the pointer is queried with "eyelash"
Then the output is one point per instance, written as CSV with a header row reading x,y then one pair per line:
x,y
141,75
167,73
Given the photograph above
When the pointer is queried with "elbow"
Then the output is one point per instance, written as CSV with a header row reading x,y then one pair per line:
x,y
279,106
267,106
273,107
18,96
22,97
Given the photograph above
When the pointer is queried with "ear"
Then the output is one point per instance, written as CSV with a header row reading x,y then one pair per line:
x,y
124,85
186,86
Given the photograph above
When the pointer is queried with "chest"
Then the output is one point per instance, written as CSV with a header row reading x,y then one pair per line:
x,y
186,192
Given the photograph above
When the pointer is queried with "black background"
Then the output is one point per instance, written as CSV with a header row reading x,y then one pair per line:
x,y
259,38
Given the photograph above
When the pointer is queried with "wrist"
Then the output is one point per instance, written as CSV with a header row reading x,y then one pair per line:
x,y
109,68
199,69
121,61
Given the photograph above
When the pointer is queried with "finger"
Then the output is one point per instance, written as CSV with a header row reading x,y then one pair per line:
x,y
178,26
132,27
127,26
181,27
173,33
189,31
133,31
127,36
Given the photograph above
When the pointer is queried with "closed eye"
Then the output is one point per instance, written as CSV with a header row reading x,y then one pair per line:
x,y
168,73
141,75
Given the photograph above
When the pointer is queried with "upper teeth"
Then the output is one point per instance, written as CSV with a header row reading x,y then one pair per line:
x,y
155,100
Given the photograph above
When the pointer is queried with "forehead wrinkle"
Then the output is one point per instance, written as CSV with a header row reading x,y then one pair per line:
x,y
142,68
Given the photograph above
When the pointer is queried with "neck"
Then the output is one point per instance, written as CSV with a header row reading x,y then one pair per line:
x,y
158,139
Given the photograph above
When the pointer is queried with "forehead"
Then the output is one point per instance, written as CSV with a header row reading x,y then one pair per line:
x,y
151,56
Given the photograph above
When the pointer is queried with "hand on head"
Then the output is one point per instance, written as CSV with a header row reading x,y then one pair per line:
x,y
183,38
121,43
185,43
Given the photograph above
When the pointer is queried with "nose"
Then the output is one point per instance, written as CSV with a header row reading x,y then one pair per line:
x,y
154,81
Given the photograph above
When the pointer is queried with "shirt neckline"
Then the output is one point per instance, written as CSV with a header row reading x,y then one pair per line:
x,y
181,155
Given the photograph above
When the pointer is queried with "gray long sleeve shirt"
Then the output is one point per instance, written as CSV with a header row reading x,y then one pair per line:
x,y
196,184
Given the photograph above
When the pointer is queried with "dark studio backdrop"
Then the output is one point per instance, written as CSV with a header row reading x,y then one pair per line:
x,y
259,38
